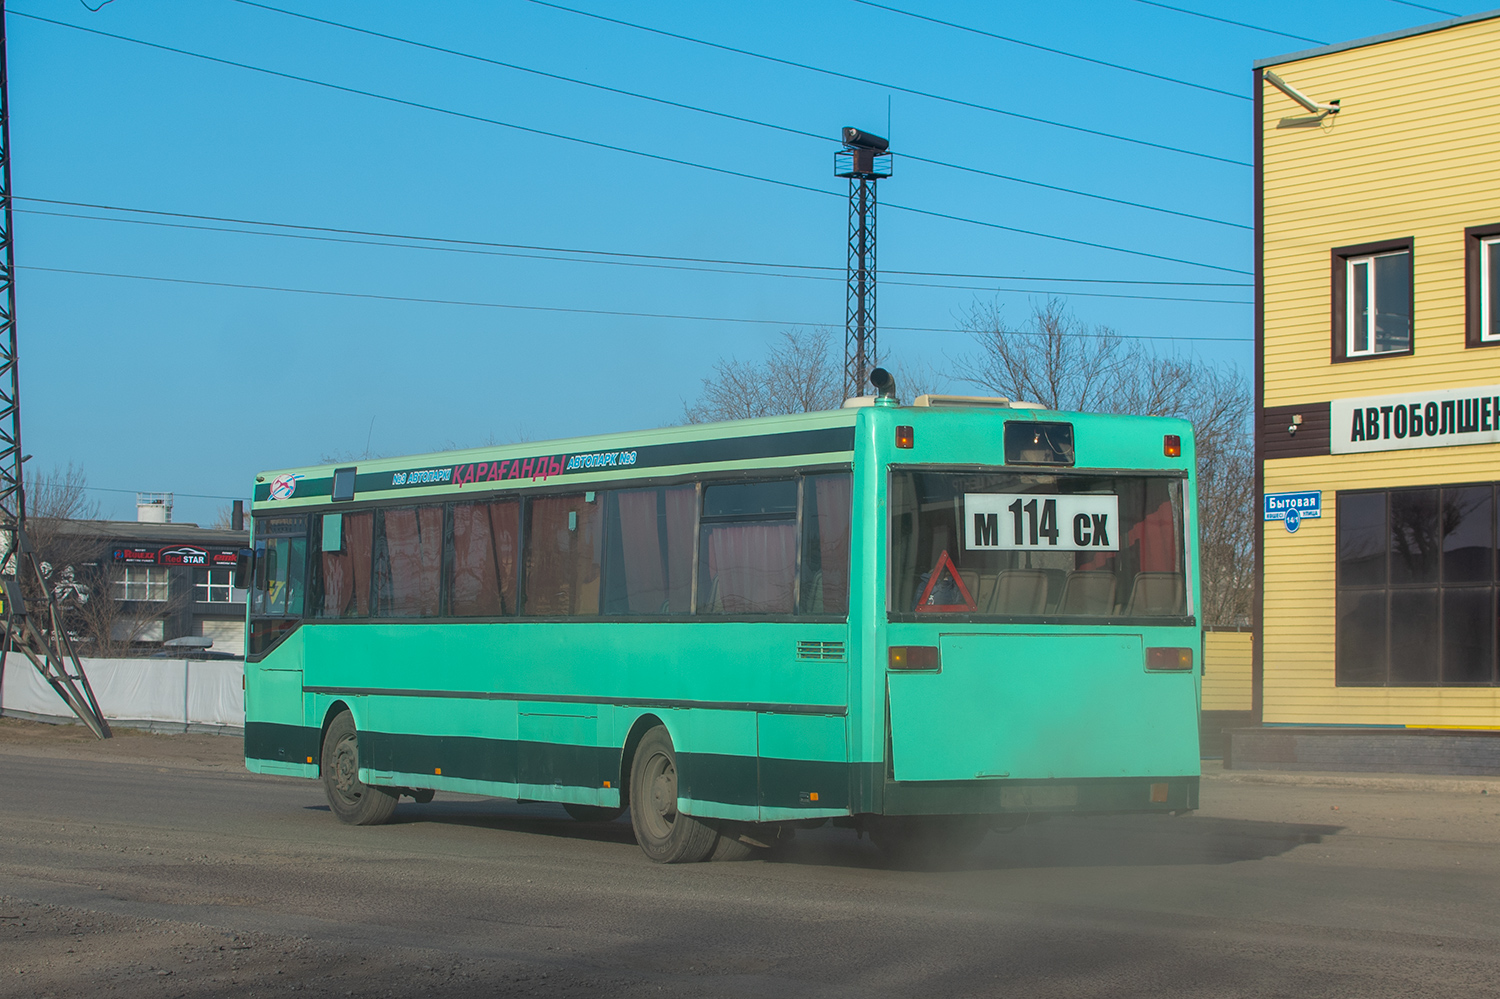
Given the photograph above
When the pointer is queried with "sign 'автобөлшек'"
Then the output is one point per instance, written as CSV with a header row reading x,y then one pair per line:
x,y
1436,418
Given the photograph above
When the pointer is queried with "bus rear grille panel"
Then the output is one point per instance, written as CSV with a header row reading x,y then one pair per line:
x,y
831,651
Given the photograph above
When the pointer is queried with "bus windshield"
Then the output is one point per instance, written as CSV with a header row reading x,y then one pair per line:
x,y
1037,545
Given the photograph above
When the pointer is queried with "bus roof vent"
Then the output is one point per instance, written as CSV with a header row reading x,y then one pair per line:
x,y
964,401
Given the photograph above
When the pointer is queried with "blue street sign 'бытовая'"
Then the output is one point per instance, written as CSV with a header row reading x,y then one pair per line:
x,y
1293,508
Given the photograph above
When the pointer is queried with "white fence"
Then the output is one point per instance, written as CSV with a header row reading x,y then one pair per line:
x,y
168,695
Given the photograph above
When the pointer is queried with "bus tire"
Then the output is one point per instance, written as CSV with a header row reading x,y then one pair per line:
x,y
592,813
731,847
665,835
349,798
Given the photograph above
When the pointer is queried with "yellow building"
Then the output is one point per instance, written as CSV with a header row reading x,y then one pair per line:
x,y
1378,424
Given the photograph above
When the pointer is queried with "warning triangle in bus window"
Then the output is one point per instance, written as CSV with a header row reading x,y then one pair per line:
x,y
944,587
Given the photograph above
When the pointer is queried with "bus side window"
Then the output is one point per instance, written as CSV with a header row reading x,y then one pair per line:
x,y
825,544
344,575
562,555
409,562
747,553
486,537
648,565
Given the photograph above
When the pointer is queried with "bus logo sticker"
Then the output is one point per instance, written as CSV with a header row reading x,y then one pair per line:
x,y
1032,522
284,486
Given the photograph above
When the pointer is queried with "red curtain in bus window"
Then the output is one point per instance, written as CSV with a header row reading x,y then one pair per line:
x,y
562,556
1157,534
484,559
414,550
658,576
832,494
682,515
751,568
346,574
640,542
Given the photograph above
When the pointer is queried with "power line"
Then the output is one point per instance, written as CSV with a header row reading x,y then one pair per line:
x,y
617,263
625,149
890,86
1053,51
107,489
1237,24
378,239
1083,194
726,115
550,308
1423,6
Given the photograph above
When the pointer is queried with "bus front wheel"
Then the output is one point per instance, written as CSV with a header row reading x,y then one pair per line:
x,y
350,798
665,835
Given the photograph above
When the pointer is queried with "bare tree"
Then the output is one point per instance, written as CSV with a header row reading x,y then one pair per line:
x,y
801,374
61,494
69,553
1055,359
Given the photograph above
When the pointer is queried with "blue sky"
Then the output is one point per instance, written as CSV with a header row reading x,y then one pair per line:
x,y
164,385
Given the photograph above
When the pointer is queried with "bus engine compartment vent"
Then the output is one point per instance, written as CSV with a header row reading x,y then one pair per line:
x,y
829,651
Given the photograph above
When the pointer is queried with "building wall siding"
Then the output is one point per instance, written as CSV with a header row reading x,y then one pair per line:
x,y
1226,671
1299,619
1410,154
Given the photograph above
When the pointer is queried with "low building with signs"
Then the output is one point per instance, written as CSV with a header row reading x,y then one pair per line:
x,y
160,582
1378,420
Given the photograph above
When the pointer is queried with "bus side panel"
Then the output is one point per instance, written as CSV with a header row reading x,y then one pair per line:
x,y
716,756
277,739
804,766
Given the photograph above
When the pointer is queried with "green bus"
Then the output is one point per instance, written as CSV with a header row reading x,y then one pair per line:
x,y
920,621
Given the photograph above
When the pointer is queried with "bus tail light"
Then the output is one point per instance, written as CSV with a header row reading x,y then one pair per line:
x,y
909,657
1169,659
905,437
1171,446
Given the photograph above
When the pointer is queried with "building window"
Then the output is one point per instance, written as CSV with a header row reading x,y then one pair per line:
x,y
1417,587
1372,300
1482,285
216,586
142,582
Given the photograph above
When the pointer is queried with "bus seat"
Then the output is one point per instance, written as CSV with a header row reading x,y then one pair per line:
x,y
1019,592
971,583
1088,593
1055,580
1156,594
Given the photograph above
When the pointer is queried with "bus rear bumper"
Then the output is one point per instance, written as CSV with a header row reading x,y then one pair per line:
x,y
1061,796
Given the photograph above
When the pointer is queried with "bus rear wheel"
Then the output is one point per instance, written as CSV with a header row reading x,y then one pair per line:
x,y
665,835
350,798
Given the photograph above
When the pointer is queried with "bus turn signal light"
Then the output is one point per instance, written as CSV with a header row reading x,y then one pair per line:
x,y
914,657
1173,659
1171,446
905,437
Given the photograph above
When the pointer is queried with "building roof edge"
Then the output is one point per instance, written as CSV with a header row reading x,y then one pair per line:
x,y
1389,36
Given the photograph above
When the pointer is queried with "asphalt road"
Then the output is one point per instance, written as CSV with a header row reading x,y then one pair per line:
x,y
146,868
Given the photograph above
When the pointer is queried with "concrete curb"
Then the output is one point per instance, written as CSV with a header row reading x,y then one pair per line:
x,y
1369,782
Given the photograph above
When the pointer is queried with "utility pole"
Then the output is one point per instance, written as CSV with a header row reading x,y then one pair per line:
x,y
864,159
30,620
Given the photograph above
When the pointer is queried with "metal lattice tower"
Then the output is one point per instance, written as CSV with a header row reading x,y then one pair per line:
x,y
30,621
864,160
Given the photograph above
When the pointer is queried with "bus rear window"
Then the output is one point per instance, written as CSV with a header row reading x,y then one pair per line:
x,y
1037,546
